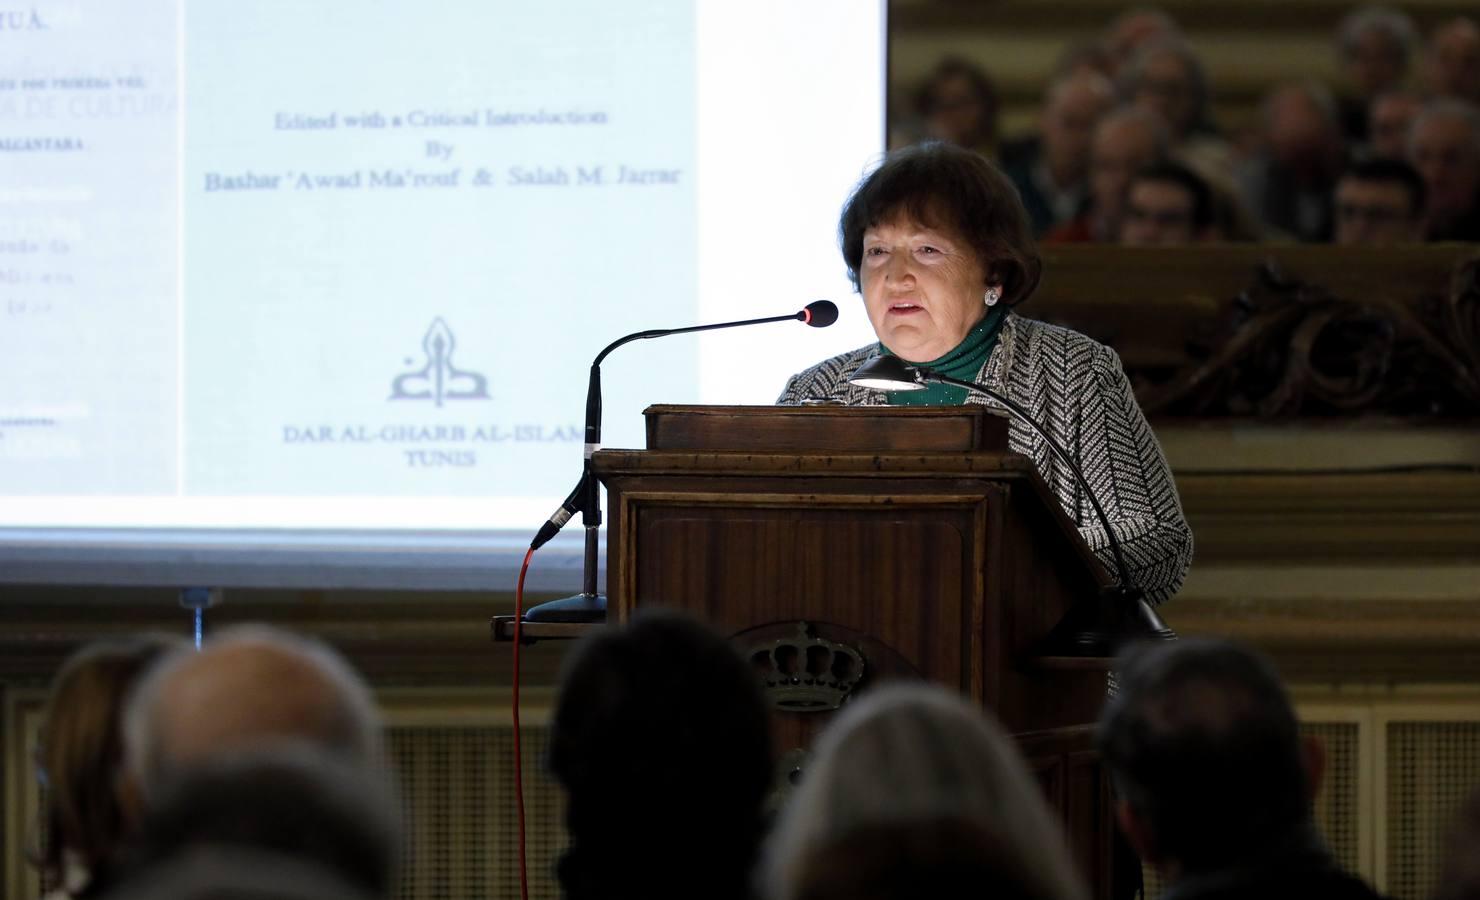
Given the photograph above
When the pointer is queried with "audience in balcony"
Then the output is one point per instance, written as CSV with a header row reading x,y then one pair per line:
x,y
89,809
911,792
958,103
1375,47
662,743
1168,205
1380,201
1444,146
1051,169
1288,184
1389,119
1452,61
1278,180
1168,78
1134,29
1214,780
1125,141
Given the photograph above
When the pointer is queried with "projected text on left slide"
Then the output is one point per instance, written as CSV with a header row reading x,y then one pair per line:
x,y
386,264
88,171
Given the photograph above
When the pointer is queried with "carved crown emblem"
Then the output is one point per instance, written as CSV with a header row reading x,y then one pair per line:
x,y
805,673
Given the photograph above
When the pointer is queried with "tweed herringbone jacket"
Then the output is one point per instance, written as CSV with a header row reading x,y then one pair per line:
x,y
1078,391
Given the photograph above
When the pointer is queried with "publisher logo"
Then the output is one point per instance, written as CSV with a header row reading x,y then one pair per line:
x,y
437,379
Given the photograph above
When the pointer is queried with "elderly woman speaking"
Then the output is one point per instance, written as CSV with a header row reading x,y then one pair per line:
x,y
939,246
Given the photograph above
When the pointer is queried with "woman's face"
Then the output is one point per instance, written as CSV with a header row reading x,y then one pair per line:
x,y
922,287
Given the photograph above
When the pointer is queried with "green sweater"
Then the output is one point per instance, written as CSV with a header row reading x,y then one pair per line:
x,y
964,362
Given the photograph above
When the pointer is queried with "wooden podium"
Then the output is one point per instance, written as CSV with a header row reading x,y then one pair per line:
x,y
842,546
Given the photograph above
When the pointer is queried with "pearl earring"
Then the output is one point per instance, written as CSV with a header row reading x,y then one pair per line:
x,y
993,295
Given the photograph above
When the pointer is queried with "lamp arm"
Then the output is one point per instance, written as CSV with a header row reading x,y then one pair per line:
x,y
1127,585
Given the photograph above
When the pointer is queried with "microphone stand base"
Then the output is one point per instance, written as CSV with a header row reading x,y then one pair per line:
x,y
584,609
1100,627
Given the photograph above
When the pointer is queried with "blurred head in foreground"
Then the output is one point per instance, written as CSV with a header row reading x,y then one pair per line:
x,y
909,790
88,809
1207,757
661,722
249,687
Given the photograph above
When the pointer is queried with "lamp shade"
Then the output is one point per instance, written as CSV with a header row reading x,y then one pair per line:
x,y
888,373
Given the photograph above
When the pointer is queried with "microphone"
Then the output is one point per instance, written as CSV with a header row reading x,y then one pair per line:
x,y
819,313
585,498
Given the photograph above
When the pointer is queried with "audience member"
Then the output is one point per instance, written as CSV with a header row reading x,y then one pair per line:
x,y
1374,44
1289,185
1389,120
1444,146
1168,205
660,721
249,687
958,104
1126,141
1168,78
1215,783
291,801
1459,874
81,761
1453,61
907,787
1050,171
1132,30
1380,201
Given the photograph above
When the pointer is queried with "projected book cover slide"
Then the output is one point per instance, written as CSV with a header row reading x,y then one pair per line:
x,y
88,175
389,240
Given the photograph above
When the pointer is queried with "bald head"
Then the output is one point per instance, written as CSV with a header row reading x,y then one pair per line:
x,y
249,687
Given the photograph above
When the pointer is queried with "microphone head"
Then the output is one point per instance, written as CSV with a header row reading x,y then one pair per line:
x,y
820,313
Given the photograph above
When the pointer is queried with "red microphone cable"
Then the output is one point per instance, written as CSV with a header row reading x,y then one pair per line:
x,y
518,739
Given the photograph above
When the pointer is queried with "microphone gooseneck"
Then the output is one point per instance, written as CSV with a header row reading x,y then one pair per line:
x,y
586,497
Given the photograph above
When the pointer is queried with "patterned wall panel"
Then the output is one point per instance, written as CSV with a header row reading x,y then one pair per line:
x,y
1337,806
457,791
1431,767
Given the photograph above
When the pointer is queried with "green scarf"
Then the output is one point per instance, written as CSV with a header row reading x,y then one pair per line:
x,y
965,362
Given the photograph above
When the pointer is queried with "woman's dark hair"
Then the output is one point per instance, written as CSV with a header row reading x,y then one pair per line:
x,y
81,749
955,190
662,722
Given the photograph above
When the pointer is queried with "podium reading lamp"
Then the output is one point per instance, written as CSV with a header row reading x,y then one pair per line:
x,y
1090,627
